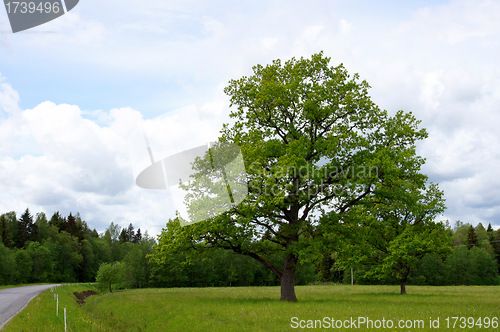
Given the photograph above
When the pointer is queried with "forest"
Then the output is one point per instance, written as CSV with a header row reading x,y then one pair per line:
x,y
36,249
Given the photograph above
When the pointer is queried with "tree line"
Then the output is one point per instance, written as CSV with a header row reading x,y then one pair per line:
x,y
37,249
472,258
65,249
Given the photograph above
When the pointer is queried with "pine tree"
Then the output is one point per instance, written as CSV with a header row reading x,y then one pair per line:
x,y
57,221
124,236
138,236
130,232
26,230
472,238
491,234
70,226
4,231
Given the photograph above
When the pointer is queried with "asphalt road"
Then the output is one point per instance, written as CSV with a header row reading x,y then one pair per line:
x,y
13,300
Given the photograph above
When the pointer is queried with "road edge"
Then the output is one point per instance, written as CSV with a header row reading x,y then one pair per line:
x,y
17,313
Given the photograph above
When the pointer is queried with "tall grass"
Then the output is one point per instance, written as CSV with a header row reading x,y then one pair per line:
x,y
254,308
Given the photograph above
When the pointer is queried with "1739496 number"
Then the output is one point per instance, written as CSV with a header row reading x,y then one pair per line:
x,y
471,322
29,7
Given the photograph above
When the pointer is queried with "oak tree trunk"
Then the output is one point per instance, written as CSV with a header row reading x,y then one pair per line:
x,y
403,287
288,279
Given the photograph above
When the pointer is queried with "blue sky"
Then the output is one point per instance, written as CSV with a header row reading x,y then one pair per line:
x,y
72,90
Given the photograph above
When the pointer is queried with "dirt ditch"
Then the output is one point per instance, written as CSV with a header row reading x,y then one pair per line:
x,y
81,296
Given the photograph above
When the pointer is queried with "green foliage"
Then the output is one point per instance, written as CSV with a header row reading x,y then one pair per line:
x,y
312,141
42,262
471,238
471,267
4,231
26,230
430,270
65,250
111,276
7,266
137,267
24,266
389,235
497,246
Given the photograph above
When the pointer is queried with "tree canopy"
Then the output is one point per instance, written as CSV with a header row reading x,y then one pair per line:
x,y
313,143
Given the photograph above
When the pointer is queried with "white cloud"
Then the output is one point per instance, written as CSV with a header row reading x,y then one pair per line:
x,y
9,98
432,89
77,165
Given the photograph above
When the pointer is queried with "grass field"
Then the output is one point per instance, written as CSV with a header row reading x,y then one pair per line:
x,y
258,308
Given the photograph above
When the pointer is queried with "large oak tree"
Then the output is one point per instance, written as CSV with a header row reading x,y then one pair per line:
x,y
313,142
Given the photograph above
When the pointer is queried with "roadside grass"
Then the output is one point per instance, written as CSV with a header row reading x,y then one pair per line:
x,y
40,313
255,308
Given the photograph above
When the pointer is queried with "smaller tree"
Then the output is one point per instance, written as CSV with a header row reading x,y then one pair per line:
x,y
394,231
409,247
109,275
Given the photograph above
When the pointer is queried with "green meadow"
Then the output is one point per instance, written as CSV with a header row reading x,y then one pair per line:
x,y
259,309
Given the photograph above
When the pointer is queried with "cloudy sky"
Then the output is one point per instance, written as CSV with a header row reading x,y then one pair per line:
x,y
73,92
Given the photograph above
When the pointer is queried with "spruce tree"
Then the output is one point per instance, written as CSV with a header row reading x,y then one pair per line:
x,y
138,236
472,238
491,234
124,236
4,231
26,230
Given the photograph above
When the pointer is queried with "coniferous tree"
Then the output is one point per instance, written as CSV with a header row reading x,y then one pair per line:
x,y
124,236
130,233
138,236
26,229
483,239
70,226
10,228
57,221
491,234
471,238
4,231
